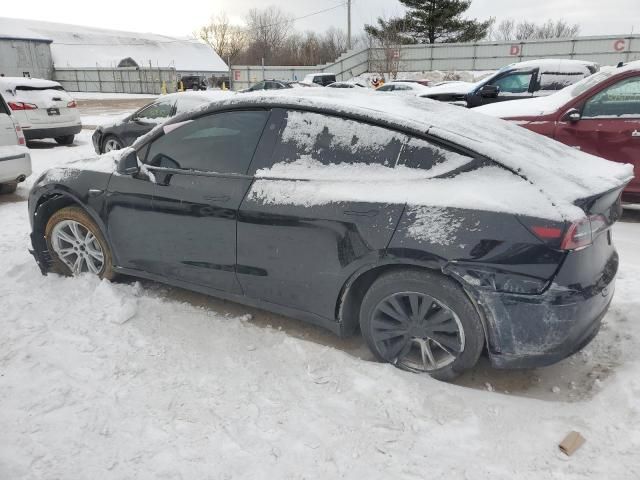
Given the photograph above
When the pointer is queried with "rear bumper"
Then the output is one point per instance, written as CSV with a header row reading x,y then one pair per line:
x,y
541,331
527,331
53,132
13,169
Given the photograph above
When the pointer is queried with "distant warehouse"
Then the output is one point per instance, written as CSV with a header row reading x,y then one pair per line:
x,y
95,59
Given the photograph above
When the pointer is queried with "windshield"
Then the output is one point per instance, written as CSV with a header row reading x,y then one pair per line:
x,y
584,85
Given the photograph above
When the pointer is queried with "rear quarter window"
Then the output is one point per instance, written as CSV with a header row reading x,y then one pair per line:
x,y
421,154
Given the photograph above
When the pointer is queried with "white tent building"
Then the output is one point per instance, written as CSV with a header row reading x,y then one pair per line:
x,y
78,47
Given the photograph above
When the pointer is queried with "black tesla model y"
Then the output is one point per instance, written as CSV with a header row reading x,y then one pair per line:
x,y
434,231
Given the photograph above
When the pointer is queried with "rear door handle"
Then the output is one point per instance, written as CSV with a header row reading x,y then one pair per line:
x,y
217,198
635,134
361,213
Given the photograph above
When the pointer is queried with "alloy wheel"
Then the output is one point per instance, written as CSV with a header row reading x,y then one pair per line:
x,y
77,247
111,144
416,332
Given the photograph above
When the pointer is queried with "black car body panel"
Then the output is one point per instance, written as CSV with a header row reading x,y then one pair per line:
x,y
216,233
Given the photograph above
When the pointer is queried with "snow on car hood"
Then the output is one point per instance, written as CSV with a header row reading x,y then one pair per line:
x,y
528,107
456,88
561,174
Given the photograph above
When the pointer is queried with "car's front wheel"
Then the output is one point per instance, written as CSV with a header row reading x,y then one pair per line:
x,y
65,140
76,244
422,322
110,144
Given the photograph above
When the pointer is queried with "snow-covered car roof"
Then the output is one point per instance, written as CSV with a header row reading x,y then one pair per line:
x,y
534,107
11,83
558,64
564,174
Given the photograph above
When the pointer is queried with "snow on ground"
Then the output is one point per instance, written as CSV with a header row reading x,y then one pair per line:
x,y
137,380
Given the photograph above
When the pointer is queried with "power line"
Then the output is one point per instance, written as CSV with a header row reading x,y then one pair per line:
x,y
195,41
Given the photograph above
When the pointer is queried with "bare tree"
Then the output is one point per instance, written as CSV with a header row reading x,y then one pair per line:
x,y
226,39
268,30
508,30
386,41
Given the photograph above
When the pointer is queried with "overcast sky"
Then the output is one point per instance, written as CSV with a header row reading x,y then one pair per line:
x,y
597,17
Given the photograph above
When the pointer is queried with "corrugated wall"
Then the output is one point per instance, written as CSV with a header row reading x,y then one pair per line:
x,y
25,58
117,80
605,50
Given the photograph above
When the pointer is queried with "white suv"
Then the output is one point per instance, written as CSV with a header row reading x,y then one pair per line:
x,y
42,108
15,161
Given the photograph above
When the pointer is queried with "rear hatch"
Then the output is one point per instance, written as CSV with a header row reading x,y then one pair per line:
x,y
572,181
54,104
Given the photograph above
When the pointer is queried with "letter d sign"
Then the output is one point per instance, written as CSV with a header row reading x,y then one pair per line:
x,y
515,50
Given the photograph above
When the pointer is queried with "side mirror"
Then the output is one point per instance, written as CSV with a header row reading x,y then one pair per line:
x,y
128,164
572,116
489,91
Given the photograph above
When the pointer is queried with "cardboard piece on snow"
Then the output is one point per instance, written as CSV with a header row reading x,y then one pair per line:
x,y
571,443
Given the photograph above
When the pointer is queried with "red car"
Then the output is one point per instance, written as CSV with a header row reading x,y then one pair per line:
x,y
599,115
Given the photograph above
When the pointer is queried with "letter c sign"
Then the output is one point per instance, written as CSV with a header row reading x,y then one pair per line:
x,y
515,50
619,45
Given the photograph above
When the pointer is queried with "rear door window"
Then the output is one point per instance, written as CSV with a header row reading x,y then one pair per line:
x,y
551,81
314,139
619,100
222,143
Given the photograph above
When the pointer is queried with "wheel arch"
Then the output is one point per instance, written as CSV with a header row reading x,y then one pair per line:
x,y
45,206
354,290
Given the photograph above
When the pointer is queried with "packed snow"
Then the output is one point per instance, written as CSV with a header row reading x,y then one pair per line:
x,y
137,380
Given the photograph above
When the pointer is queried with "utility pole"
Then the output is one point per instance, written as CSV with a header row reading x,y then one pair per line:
x,y
348,24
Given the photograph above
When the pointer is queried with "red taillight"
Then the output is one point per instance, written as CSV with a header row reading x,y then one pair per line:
x,y
21,139
582,232
72,104
22,106
547,233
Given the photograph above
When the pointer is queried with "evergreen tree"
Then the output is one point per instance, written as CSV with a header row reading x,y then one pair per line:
x,y
431,21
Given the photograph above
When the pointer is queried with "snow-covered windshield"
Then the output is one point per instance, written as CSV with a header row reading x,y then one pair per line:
x,y
584,85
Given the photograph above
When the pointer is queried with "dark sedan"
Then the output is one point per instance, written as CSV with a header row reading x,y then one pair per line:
x,y
434,231
122,134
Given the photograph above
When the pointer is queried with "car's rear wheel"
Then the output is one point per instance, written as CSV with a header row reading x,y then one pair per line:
x,y
76,244
65,140
8,187
110,144
422,322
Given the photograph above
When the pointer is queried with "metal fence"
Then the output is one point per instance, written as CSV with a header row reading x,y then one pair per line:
x,y
605,50
117,80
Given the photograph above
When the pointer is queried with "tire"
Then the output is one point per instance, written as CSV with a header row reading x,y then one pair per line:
x,y
110,143
65,140
61,224
8,187
441,333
